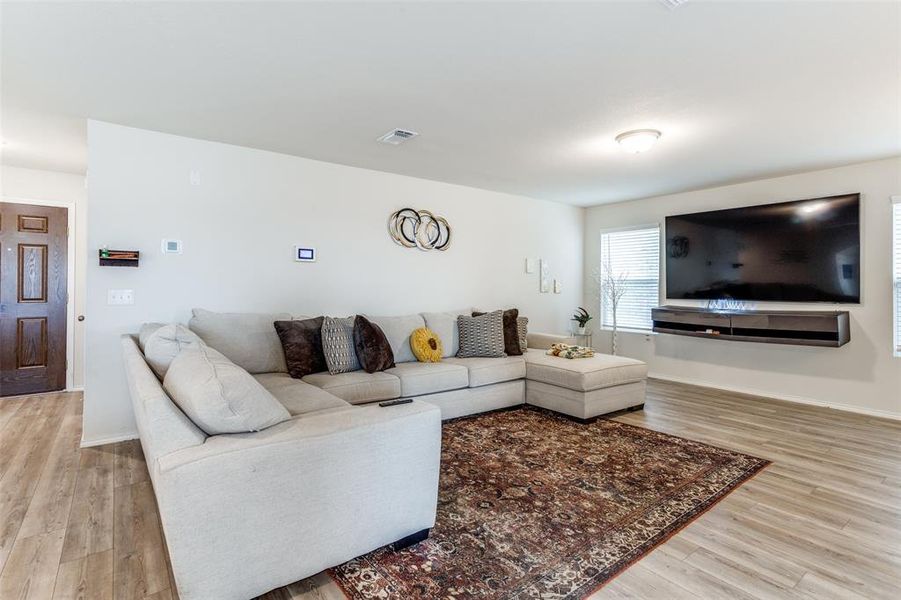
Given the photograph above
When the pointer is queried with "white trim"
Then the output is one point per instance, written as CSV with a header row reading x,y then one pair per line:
x,y
70,276
114,439
75,389
870,412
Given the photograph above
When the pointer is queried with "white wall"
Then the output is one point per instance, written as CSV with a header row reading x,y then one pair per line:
x,y
68,190
861,376
239,227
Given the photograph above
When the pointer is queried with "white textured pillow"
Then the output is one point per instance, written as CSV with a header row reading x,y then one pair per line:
x,y
218,395
165,343
146,331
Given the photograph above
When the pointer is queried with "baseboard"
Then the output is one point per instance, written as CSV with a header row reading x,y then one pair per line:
x,y
123,437
869,412
76,388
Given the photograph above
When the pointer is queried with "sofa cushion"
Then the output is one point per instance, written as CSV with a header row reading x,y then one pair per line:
x,y
218,395
444,324
418,378
146,330
372,347
357,387
426,345
302,344
338,345
248,339
512,345
298,397
398,330
165,343
485,371
482,335
583,374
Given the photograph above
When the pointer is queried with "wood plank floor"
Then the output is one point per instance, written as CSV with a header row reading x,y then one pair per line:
x,y
824,521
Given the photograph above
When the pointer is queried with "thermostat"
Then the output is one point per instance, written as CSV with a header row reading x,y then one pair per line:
x,y
171,246
304,254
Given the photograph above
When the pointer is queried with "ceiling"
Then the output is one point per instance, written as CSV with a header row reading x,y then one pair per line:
x,y
518,97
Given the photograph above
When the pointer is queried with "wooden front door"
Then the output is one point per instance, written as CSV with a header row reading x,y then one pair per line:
x,y
33,298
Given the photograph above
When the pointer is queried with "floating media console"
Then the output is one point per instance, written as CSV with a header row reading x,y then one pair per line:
x,y
802,328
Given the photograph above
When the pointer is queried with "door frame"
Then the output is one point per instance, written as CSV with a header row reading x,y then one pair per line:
x,y
70,278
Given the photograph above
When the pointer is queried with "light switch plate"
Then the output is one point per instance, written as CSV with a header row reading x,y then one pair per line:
x,y
120,297
530,265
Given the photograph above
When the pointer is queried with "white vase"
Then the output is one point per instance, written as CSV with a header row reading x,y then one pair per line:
x,y
581,330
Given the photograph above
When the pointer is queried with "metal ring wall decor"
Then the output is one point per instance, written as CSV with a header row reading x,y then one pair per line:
x,y
421,229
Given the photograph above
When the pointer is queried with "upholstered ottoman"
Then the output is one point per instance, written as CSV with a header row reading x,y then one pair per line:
x,y
584,388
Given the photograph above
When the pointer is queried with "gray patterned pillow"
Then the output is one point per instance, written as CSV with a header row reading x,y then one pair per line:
x,y
338,345
522,329
482,335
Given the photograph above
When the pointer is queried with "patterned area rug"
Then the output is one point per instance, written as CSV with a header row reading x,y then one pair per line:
x,y
533,505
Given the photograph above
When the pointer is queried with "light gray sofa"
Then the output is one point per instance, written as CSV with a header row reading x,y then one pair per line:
x,y
246,513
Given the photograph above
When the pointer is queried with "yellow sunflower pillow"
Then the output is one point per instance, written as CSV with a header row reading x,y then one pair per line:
x,y
426,345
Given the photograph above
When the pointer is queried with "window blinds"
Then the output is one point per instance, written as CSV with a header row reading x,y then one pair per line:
x,y
896,270
634,255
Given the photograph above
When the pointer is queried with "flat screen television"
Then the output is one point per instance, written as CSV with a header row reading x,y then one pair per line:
x,y
802,251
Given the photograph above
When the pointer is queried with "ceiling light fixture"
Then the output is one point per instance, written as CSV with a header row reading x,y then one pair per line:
x,y
638,140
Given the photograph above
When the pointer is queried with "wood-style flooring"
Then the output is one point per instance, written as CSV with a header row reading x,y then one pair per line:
x,y
823,521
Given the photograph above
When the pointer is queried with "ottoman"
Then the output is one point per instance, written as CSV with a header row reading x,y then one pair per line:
x,y
584,388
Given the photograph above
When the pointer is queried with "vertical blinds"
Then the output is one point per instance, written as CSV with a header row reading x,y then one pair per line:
x,y
634,253
896,270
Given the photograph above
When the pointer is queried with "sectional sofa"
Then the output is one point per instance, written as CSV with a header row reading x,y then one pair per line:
x,y
245,513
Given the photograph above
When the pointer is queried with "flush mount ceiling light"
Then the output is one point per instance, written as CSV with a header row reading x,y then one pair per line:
x,y
637,140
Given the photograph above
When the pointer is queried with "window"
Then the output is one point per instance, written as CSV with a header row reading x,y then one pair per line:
x,y
896,269
632,256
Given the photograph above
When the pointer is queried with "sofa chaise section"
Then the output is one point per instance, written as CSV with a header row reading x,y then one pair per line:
x,y
584,388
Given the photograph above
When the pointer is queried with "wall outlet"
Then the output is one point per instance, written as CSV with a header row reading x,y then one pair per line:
x,y
120,297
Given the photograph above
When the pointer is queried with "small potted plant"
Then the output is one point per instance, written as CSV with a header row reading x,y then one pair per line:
x,y
581,317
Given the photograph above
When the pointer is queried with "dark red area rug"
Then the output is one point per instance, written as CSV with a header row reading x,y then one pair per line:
x,y
533,505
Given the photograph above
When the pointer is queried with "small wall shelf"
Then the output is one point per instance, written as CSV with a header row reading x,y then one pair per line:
x,y
802,328
119,258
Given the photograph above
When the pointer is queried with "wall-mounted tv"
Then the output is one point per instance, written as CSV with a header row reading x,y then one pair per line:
x,y
802,251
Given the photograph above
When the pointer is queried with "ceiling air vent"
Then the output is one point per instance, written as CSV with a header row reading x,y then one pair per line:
x,y
673,3
397,136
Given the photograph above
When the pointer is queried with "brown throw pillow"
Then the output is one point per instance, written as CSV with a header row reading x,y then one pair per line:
x,y
373,350
302,343
511,331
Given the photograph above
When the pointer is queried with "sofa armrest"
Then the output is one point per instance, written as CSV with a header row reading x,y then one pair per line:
x,y
543,341
299,497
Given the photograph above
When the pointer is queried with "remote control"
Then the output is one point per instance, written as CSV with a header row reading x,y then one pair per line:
x,y
396,402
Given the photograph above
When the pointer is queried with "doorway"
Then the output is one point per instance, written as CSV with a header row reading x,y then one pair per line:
x,y
33,298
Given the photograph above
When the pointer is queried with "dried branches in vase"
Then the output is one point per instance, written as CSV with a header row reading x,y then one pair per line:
x,y
611,287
